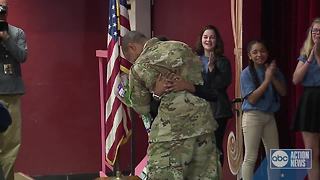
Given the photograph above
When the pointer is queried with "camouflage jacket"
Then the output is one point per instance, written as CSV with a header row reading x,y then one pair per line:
x,y
181,115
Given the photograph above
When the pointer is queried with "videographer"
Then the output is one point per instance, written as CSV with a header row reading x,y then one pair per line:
x,y
13,51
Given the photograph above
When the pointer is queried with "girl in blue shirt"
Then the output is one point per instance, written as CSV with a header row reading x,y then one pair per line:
x,y
307,119
261,84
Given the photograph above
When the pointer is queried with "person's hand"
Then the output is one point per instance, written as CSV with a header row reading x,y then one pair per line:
x,y
310,57
4,35
211,62
179,84
162,84
316,51
270,70
171,82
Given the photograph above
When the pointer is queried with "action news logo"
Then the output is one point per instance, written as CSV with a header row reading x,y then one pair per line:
x,y
290,158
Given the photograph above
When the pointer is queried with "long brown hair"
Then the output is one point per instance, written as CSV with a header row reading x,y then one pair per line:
x,y
218,49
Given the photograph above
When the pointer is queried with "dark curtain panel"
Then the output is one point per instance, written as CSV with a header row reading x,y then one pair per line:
x,y
284,28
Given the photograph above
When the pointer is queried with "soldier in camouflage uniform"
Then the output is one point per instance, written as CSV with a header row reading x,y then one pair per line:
x,y
180,139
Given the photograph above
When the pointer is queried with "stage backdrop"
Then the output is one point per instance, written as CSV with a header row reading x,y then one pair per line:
x,y
61,106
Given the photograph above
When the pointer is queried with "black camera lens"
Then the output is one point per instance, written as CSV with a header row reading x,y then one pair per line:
x,y
4,26
3,9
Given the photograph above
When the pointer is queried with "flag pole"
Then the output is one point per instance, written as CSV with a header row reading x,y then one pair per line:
x,y
118,120
131,113
117,162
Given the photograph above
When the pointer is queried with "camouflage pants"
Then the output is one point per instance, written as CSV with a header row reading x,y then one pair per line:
x,y
188,159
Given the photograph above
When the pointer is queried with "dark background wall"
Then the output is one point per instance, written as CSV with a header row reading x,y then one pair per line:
x,y
61,128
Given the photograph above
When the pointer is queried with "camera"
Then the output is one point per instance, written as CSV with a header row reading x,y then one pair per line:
x,y
3,23
3,26
3,9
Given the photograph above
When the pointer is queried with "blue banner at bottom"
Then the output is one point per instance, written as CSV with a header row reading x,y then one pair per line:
x,y
278,174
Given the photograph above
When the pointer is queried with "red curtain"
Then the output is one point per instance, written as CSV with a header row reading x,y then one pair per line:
x,y
284,26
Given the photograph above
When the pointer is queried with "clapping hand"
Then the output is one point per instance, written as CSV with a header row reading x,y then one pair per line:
x,y
211,62
270,70
316,51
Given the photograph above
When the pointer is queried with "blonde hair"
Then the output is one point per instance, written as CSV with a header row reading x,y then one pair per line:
x,y
308,43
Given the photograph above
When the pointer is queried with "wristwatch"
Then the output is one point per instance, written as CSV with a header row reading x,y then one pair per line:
x,y
156,97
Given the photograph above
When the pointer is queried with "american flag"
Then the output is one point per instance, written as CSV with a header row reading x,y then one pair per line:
x,y
118,124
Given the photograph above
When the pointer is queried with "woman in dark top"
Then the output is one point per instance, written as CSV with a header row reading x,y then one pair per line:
x,y
217,75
